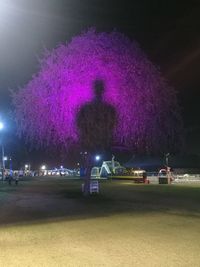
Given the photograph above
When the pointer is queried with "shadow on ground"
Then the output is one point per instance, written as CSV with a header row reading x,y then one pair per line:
x,y
55,198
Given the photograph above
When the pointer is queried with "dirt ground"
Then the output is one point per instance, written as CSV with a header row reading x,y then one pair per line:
x,y
47,222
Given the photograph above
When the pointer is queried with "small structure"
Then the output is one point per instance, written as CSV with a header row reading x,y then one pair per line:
x,y
95,172
165,176
111,168
94,187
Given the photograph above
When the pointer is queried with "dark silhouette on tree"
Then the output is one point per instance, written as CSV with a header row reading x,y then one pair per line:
x,y
96,122
149,120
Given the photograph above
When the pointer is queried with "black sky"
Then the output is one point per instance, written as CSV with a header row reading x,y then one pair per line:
x,y
168,31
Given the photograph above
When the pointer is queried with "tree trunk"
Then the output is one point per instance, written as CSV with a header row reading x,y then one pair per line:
x,y
88,165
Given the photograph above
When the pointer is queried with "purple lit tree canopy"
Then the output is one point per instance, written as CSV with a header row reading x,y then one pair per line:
x,y
148,114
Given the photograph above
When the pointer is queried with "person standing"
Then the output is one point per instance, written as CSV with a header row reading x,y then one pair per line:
x,y
16,178
10,177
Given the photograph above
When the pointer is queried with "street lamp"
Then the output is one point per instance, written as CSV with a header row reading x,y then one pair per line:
x,y
97,157
167,159
27,167
10,164
2,151
43,167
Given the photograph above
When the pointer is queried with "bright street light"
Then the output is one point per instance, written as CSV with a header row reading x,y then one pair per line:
x,y
43,167
1,125
97,158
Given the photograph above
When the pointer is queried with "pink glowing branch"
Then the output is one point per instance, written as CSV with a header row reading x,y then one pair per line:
x,y
148,114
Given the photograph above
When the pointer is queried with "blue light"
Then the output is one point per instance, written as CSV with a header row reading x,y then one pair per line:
x,y
97,158
1,125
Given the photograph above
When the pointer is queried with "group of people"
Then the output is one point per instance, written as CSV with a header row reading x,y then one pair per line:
x,y
14,176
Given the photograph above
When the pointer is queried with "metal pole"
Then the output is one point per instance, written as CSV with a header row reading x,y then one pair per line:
x,y
3,163
168,169
167,159
10,165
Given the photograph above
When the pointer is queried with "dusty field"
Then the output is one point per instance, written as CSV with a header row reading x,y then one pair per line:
x,y
47,222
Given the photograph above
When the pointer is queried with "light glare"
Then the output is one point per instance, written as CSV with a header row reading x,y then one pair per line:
x,y
1,125
97,157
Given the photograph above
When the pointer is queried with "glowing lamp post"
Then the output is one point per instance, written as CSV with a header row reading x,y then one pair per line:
x,y
43,167
2,151
27,168
97,157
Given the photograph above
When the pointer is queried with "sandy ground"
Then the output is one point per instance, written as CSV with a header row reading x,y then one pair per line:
x,y
49,223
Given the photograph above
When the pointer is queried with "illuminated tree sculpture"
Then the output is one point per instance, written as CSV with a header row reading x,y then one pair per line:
x,y
146,106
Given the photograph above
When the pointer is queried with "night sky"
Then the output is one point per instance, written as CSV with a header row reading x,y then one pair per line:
x,y
168,31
